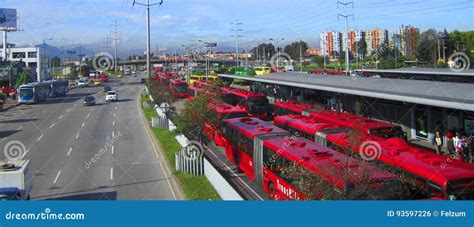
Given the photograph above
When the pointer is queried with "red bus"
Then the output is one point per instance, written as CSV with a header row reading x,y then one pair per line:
x,y
163,79
293,107
393,154
179,88
193,92
222,112
437,176
255,104
263,152
368,126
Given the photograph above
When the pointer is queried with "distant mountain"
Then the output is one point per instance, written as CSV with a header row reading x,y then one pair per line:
x,y
50,50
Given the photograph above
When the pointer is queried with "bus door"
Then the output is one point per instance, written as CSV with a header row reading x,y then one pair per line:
x,y
258,154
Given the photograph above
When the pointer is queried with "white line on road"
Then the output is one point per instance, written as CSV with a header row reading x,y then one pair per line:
x,y
68,110
113,133
113,123
83,123
113,150
115,114
61,117
21,126
77,136
88,115
111,173
52,125
41,137
116,108
69,152
57,177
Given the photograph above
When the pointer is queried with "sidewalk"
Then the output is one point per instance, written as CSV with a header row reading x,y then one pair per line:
x,y
9,103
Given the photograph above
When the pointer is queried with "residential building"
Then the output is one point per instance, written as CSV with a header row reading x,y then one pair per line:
x,y
353,36
376,38
330,43
406,39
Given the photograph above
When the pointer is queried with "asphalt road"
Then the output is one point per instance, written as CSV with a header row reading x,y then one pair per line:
x,y
89,153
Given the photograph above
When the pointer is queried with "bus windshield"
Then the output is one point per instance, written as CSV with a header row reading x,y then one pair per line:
x,y
26,92
181,88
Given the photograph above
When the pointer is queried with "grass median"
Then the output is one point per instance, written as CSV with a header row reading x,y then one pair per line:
x,y
194,187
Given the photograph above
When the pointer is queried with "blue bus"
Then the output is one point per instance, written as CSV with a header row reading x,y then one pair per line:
x,y
33,92
58,88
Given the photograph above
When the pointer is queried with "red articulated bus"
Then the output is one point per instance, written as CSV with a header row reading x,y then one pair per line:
x,y
342,173
263,151
222,111
256,104
163,79
393,154
293,107
438,176
193,92
365,125
179,88
433,173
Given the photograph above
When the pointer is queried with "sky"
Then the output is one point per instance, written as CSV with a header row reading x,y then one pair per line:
x,y
179,22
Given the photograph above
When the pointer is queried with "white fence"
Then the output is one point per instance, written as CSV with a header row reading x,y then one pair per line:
x,y
191,163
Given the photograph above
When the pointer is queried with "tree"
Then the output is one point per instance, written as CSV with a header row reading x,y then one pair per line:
x,y
24,78
361,48
293,49
55,62
266,48
427,51
319,60
85,70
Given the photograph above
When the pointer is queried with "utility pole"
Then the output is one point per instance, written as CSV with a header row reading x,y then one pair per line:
x,y
147,5
115,39
4,53
237,29
301,56
346,41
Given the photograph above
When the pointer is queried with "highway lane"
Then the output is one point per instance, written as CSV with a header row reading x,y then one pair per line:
x,y
99,152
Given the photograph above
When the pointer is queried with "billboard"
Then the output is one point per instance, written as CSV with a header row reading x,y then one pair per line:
x,y
8,19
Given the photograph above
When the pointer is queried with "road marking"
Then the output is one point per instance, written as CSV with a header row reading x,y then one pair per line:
x,y
21,126
41,137
69,152
77,136
52,125
83,123
113,150
68,110
75,105
61,117
113,123
111,173
115,114
88,115
57,177
92,109
113,133
116,108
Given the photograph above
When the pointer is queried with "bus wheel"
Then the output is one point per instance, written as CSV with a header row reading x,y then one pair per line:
x,y
272,192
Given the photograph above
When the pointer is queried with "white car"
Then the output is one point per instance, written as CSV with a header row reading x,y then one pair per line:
x,y
83,82
111,96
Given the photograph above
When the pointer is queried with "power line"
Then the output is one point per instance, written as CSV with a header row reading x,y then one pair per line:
x,y
115,39
346,41
147,5
237,30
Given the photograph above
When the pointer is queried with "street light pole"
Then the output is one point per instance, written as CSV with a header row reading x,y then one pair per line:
x,y
147,5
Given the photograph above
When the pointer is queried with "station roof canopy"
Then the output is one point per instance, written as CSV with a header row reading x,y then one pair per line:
x,y
422,71
441,94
